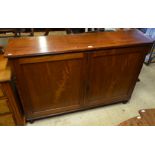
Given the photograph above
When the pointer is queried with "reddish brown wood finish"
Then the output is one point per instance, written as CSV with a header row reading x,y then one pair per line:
x,y
10,111
56,82
74,77
146,118
21,47
112,76
13,104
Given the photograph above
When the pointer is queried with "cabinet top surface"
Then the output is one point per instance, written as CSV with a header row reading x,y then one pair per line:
x,y
31,46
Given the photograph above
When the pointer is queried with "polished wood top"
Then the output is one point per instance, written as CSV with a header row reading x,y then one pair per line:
x,y
31,46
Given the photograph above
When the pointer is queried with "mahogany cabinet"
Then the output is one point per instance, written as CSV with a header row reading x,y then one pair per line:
x,y
60,74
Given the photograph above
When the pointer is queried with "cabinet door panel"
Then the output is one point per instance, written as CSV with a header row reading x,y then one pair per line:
x,y
51,84
113,75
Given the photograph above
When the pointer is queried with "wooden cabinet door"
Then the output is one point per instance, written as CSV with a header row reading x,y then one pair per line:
x,y
113,74
50,84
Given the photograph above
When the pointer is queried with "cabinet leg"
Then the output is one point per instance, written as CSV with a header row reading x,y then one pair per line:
x,y
31,121
125,102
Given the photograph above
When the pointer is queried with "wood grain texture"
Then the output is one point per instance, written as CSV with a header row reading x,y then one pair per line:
x,y
4,106
1,92
3,62
13,104
113,77
57,84
5,75
7,120
31,46
146,118
5,71
10,113
75,78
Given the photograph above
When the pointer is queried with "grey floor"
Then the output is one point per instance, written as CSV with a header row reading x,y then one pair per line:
x,y
143,98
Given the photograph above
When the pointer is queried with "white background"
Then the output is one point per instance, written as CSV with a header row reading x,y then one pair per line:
x,y
77,13
77,141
